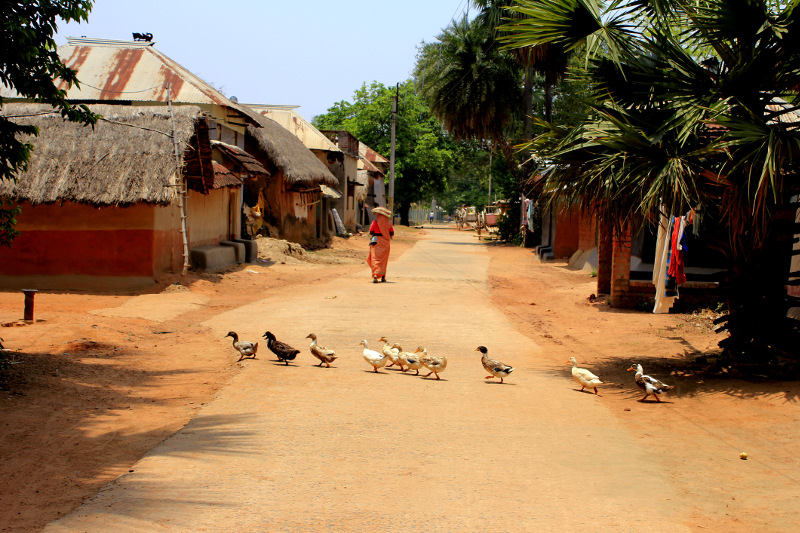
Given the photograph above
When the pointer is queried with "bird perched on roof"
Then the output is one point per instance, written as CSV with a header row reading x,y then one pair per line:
x,y
283,351
434,363
372,357
583,376
245,348
495,368
650,385
320,352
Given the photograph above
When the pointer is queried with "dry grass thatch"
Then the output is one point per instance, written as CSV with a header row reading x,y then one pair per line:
x,y
298,164
116,163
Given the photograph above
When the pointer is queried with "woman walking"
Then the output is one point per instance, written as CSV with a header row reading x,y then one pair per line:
x,y
381,232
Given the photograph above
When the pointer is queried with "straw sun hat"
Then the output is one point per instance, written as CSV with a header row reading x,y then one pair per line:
x,y
382,211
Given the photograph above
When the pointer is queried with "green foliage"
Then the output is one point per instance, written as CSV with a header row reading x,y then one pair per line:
x,y
424,154
8,219
693,104
29,64
472,87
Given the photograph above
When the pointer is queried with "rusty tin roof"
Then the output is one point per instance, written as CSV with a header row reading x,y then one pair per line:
x,y
130,71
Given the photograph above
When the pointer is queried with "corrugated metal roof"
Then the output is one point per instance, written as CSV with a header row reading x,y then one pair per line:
x,y
290,119
369,154
130,71
223,177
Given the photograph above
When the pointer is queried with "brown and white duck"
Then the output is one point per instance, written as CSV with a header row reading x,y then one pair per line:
x,y
650,385
245,348
322,353
495,368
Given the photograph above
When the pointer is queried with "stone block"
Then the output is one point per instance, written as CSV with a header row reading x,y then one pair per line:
x,y
239,247
250,249
212,258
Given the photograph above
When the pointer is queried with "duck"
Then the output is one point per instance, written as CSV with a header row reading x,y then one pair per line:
x,y
245,348
392,351
283,351
434,363
495,368
650,385
320,352
410,359
372,357
584,376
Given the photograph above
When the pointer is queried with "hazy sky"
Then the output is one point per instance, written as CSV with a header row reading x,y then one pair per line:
x,y
310,53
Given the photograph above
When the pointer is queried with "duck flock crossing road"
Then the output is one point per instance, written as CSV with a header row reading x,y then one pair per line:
x,y
293,445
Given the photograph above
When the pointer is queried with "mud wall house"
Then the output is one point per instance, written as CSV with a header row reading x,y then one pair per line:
x,y
100,206
295,202
624,260
135,73
376,167
347,173
324,150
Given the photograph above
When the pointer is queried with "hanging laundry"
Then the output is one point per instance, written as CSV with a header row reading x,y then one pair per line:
x,y
676,263
660,265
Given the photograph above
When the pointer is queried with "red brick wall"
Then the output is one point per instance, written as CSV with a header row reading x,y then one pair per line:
x,y
604,255
567,228
621,269
587,232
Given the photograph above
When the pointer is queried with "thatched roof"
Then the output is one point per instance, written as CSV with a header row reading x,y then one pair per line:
x,y
288,153
116,163
241,159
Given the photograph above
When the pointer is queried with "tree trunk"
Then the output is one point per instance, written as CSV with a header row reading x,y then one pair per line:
x,y
527,121
548,95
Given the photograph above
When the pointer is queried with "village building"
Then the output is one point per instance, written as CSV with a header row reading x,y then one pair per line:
x,y
100,206
330,196
624,261
294,208
127,75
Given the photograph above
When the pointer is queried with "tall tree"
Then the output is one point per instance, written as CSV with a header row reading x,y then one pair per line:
x,y
29,64
423,153
471,86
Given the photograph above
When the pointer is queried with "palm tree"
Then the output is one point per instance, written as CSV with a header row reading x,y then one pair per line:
x,y
471,86
695,107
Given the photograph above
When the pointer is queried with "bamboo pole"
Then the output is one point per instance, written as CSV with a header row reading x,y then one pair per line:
x,y
181,188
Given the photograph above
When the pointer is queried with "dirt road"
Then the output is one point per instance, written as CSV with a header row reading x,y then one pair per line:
x,y
304,448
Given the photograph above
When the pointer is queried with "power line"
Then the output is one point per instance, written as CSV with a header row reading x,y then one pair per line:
x,y
122,92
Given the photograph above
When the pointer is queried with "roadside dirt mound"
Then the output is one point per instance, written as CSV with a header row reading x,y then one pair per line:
x,y
340,251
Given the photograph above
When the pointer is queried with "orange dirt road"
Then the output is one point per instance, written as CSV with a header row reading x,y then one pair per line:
x,y
304,448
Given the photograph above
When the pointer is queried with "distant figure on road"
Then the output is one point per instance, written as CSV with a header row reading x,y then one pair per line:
x,y
431,217
381,232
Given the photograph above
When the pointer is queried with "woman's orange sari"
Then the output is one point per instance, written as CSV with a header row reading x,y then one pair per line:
x,y
378,257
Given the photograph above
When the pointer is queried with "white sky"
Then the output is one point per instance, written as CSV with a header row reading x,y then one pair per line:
x,y
310,53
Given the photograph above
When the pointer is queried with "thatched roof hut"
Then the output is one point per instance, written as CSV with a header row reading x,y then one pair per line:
x,y
299,165
127,158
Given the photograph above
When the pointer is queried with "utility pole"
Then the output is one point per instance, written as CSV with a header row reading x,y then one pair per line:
x,y
390,199
491,151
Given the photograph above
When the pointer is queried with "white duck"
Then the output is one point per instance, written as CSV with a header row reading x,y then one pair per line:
x,y
434,363
392,351
584,376
650,385
372,357
410,359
